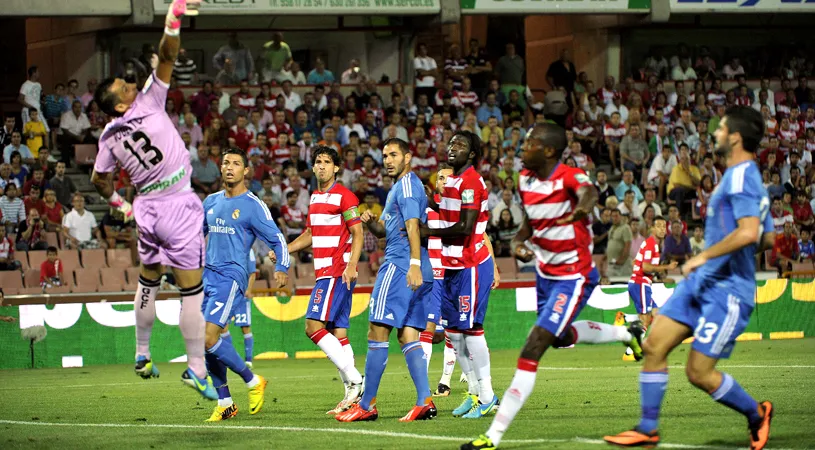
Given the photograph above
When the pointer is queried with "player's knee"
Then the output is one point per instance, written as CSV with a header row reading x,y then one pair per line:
x,y
652,349
698,377
211,339
313,326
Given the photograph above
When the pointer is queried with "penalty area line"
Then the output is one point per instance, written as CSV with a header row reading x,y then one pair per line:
x,y
577,440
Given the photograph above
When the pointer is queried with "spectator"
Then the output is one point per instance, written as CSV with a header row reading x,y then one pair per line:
x,y
63,186
636,238
320,75
79,227
7,261
30,94
185,70
628,208
806,248
51,273
239,135
115,231
703,193
206,177
507,229
377,258
614,131
603,188
634,152
600,229
422,107
75,129
18,171
294,74
18,147
52,212
426,72
466,97
293,100
34,132
455,67
371,205
511,71
12,208
683,71
562,73
627,184
802,211
227,74
650,200
785,250
697,242
353,74
684,179
488,110
9,126
32,200
616,106
277,58
31,233
508,204
677,245
201,101
732,69
292,216
237,55
618,248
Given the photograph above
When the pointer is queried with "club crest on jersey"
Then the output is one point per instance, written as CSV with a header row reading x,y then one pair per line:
x,y
235,214
468,196
582,178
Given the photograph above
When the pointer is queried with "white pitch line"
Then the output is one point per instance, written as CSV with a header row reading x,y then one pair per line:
x,y
579,440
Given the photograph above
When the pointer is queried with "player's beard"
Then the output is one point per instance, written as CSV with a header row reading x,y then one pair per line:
x,y
724,149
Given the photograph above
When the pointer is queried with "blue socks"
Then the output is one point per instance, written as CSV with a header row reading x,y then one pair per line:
x,y
375,364
652,390
732,395
248,346
227,354
417,366
217,371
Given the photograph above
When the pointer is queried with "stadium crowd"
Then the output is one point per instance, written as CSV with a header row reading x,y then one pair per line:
x,y
650,151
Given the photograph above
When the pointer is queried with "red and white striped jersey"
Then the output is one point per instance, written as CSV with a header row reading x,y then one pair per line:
x,y
469,98
276,129
373,178
281,154
648,253
246,101
466,191
330,216
434,247
787,135
616,134
270,104
292,214
561,250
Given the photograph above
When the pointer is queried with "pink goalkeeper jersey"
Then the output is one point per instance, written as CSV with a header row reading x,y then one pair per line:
x,y
147,145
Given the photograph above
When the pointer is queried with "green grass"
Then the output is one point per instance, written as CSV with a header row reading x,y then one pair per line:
x,y
581,393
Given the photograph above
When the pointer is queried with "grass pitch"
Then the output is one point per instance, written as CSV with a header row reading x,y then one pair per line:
x,y
581,394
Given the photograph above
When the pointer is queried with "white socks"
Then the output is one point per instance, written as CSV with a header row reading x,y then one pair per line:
x,y
193,328
477,347
449,362
144,305
589,332
341,358
519,390
463,358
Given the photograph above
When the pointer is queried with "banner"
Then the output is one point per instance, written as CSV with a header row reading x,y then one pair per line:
x,y
554,6
311,7
742,6
103,333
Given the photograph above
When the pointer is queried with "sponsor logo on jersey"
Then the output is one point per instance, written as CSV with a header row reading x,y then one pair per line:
x,y
468,196
235,214
220,227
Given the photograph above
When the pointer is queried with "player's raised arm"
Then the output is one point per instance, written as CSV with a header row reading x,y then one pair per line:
x,y
102,180
171,40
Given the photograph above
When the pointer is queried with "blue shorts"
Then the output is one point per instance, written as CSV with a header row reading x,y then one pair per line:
x,y
717,311
331,303
560,301
433,307
641,297
243,313
468,292
222,298
394,304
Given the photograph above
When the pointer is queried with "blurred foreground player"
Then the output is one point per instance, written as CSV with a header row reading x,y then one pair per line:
x,y
558,200
403,285
234,218
334,231
714,302
142,139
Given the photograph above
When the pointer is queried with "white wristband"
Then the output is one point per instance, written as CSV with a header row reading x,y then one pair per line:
x,y
416,262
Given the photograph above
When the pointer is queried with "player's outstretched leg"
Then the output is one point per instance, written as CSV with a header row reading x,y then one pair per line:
x,y
463,358
227,354
443,388
589,332
145,307
226,408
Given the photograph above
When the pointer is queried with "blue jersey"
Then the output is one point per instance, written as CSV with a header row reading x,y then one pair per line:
x,y
232,225
406,200
740,194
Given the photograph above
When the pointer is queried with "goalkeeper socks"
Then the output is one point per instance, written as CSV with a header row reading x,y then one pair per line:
x,y
375,364
145,307
480,353
248,346
193,328
519,390
589,332
415,358
426,338
732,395
449,362
652,390
463,358
344,361
229,356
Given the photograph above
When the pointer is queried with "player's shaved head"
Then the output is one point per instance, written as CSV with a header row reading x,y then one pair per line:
x,y
544,145
550,135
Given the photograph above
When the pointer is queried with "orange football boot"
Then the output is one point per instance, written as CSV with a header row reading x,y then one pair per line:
x,y
634,438
425,412
357,414
761,434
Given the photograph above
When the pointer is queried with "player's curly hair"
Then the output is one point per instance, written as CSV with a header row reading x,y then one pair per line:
x,y
331,152
474,142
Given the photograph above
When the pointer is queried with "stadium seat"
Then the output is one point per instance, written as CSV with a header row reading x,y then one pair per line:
x,y
12,281
802,266
30,291
32,278
87,280
52,239
507,267
113,280
23,258
36,258
70,260
132,278
305,270
93,258
85,154
58,290
119,258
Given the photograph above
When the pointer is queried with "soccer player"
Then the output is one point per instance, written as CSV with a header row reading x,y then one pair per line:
x,y
468,271
714,302
234,218
334,231
645,265
142,139
558,201
398,297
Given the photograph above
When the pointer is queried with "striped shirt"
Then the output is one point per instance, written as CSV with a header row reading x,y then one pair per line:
x,y
468,98
561,250
455,64
331,215
616,134
246,101
12,210
466,191
434,247
648,253
184,71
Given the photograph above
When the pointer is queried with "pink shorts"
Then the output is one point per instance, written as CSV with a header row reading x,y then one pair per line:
x,y
171,230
